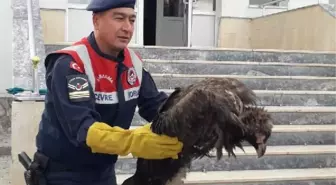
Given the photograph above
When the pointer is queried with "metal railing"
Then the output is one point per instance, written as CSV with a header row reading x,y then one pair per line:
x,y
271,2
263,6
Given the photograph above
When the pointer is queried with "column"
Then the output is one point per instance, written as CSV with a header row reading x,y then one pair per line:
x,y
22,68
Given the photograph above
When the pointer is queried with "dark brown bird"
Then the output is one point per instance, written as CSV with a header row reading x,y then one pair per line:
x,y
213,113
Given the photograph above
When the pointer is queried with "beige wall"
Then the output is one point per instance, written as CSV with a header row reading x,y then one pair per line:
x,y
305,29
234,33
308,28
53,22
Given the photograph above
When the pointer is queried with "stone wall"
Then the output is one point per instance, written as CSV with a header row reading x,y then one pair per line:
x,y
22,67
5,115
5,126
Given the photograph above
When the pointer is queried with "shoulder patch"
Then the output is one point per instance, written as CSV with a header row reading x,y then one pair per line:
x,y
75,66
78,88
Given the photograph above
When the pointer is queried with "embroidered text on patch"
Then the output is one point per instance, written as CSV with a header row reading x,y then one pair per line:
x,y
78,88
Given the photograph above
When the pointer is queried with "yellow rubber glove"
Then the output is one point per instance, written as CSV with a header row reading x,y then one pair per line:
x,y
140,142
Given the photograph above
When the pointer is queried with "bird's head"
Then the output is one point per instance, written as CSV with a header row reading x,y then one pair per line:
x,y
259,126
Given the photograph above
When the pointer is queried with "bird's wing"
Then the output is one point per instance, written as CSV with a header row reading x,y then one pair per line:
x,y
218,85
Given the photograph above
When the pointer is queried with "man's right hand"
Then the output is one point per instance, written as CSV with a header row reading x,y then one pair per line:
x,y
140,142
149,145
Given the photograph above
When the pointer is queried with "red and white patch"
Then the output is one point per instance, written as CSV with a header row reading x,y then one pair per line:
x,y
131,76
75,66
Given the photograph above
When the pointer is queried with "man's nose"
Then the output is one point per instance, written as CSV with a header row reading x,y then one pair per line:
x,y
127,26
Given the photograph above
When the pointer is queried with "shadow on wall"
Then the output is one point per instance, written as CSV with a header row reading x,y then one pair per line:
x,y
307,28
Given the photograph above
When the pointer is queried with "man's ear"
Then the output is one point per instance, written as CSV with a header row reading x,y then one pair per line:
x,y
95,20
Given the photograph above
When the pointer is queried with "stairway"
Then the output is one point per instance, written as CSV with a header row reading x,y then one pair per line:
x,y
298,89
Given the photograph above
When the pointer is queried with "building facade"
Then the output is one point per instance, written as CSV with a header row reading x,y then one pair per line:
x,y
180,23
163,22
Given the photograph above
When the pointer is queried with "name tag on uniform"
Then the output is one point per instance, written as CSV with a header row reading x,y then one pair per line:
x,y
131,93
106,97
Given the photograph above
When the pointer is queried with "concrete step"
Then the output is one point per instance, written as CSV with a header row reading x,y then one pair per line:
x,y
277,157
324,176
290,98
296,99
223,54
277,150
239,68
316,176
290,135
292,176
169,81
282,135
287,115
300,135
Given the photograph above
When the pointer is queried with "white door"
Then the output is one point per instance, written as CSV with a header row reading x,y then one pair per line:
x,y
171,23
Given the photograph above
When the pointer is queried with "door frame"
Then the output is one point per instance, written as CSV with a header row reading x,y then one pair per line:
x,y
190,21
140,7
140,22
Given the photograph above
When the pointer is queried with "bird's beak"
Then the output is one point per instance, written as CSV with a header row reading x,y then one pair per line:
x,y
261,149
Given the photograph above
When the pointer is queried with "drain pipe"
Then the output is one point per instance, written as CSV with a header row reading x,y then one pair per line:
x,y
33,58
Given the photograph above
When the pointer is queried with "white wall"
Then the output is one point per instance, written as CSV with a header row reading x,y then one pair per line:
x,y
80,24
203,30
6,69
292,4
236,8
203,24
242,8
53,4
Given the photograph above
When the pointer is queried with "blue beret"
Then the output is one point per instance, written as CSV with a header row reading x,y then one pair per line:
x,y
103,5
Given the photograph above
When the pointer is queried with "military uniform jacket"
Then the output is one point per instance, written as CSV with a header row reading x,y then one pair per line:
x,y
85,86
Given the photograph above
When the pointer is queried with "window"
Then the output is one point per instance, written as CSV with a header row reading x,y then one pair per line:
x,y
173,8
275,3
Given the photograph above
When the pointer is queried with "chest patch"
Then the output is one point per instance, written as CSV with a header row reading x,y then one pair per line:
x,y
78,88
131,76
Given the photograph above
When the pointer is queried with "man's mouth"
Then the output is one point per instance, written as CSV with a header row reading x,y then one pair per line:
x,y
123,38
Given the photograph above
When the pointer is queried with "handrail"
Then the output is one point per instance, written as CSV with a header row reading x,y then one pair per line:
x,y
268,3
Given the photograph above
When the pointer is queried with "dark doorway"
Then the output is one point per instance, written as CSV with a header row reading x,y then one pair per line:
x,y
149,22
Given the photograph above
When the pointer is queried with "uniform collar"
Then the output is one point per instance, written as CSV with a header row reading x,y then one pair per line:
x,y
95,47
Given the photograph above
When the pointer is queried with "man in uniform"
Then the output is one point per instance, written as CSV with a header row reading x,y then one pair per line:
x,y
94,87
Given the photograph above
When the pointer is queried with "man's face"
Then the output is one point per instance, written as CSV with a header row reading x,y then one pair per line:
x,y
115,27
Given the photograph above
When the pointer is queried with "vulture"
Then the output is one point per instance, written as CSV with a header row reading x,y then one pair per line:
x,y
214,113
